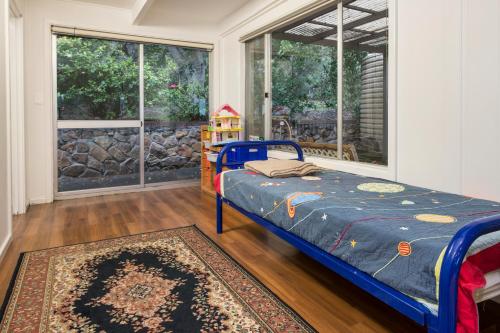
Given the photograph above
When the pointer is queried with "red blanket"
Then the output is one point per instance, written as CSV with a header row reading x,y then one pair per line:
x,y
471,278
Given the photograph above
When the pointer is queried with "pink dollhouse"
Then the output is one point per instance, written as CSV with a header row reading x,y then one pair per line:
x,y
225,125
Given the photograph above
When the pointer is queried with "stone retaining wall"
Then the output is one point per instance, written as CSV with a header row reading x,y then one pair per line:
x,y
90,153
167,148
316,132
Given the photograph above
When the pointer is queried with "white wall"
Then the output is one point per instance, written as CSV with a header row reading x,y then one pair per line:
x,y
448,101
39,15
5,216
446,89
446,84
429,90
481,99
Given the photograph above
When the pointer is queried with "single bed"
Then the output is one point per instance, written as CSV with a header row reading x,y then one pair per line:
x,y
408,246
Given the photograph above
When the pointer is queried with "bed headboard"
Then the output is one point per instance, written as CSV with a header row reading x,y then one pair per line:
x,y
235,154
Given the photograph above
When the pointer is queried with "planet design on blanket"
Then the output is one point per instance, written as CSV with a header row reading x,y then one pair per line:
x,y
404,249
311,178
267,184
296,198
381,187
435,218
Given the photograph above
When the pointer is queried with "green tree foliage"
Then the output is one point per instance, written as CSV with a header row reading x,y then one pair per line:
x,y
99,79
176,81
352,81
305,76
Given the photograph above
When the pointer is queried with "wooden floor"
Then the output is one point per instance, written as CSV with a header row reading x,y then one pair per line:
x,y
325,300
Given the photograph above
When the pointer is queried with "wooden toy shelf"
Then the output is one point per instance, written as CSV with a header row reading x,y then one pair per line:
x,y
207,167
225,126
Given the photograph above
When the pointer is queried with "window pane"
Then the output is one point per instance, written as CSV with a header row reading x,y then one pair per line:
x,y
97,79
255,88
175,105
97,158
365,83
304,76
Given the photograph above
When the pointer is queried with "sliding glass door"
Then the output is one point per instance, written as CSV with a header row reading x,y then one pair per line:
x,y
255,88
175,105
98,113
128,114
328,82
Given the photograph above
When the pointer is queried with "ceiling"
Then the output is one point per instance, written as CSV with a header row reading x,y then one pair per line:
x,y
179,12
195,12
113,3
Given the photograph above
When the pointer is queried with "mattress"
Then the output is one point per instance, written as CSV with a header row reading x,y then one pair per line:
x,y
394,232
492,288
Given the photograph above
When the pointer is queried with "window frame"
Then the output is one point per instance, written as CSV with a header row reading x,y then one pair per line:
x,y
139,123
388,171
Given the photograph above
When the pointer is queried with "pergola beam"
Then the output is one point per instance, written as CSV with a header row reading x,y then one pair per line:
x,y
139,10
360,9
367,19
324,24
354,42
320,38
352,24
367,48
308,18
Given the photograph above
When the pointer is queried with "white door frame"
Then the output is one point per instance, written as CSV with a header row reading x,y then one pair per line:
x,y
17,129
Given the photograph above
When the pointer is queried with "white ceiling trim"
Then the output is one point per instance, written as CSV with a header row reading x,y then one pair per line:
x,y
95,5
255,15
139,10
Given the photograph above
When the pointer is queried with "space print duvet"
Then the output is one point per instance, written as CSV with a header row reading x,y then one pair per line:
x,y
394,232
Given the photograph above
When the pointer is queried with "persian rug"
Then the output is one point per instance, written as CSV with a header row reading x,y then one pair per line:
x,y
174,280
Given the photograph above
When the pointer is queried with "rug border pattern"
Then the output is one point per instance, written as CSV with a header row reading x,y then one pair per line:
x,y
16,281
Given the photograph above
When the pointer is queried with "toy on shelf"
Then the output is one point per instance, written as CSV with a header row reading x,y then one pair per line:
x,y
225,125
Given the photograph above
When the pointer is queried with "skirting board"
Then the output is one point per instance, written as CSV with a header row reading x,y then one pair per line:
x,y
164,186
38,201
5,246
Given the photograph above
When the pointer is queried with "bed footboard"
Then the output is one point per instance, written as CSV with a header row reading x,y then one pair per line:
x,y
450,270
221,163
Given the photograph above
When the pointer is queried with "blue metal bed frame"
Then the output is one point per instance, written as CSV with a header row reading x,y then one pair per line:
x,y
446,318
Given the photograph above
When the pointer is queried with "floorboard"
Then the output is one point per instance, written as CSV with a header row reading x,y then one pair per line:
x,y
325,300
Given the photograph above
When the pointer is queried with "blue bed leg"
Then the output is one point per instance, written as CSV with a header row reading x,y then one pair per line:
x,y
219,214
432,329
